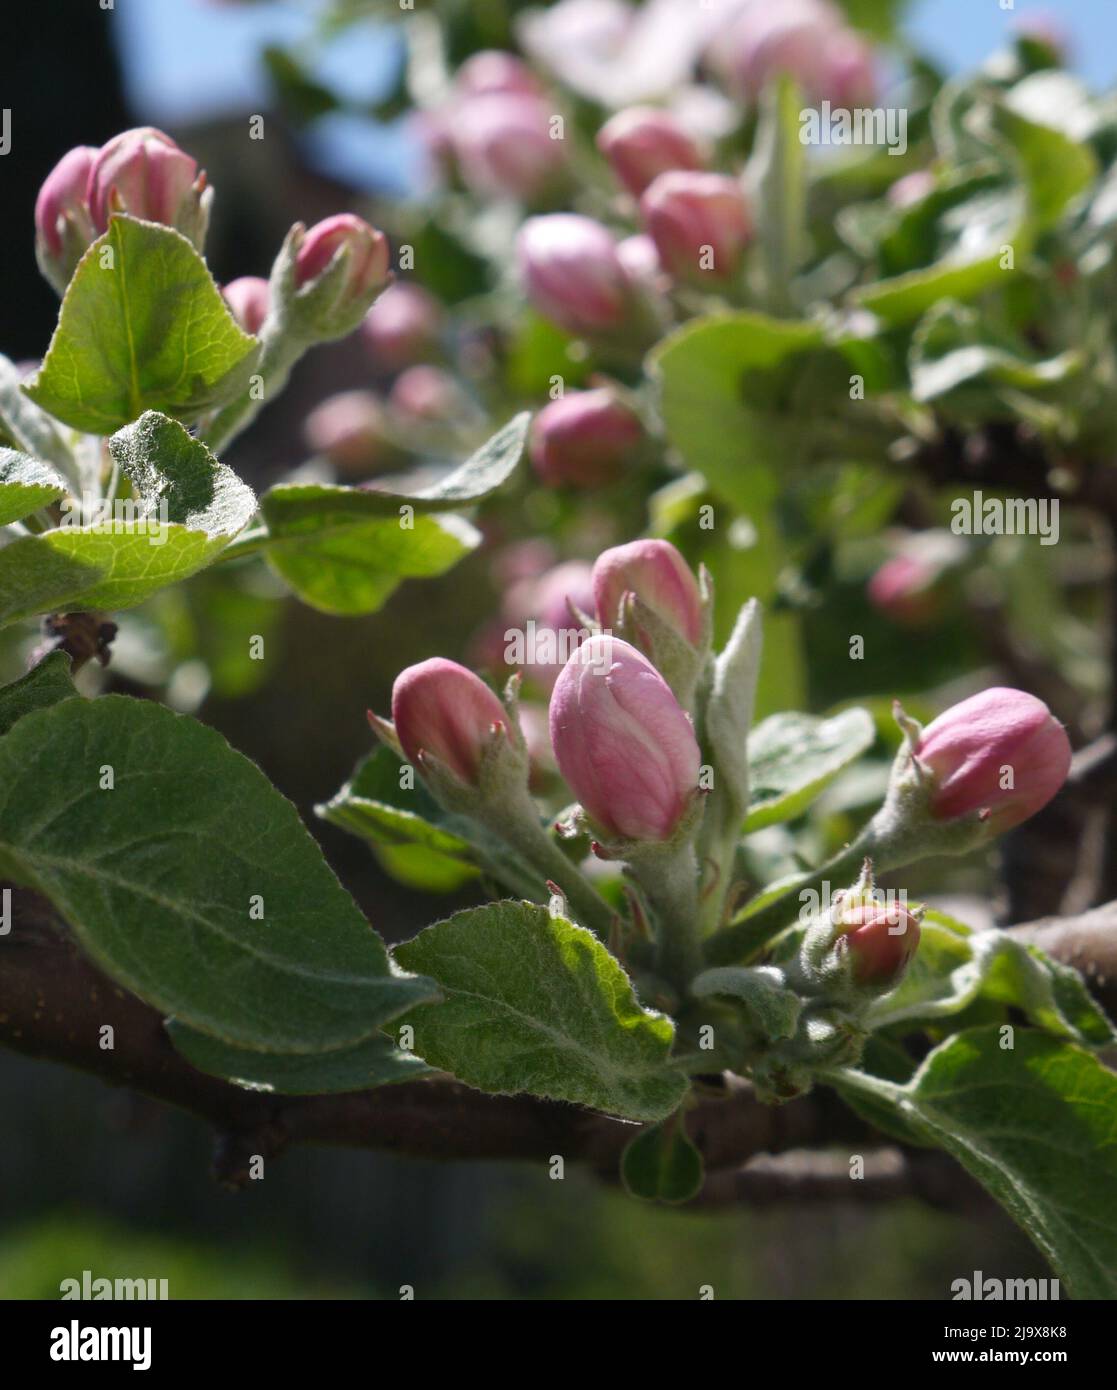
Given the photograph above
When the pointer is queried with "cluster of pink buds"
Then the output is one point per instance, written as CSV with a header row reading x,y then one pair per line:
x,y
807,40
498,132
141,172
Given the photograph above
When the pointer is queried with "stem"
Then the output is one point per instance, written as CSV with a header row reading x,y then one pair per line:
x,y
280,353
524,833
747,936
669,879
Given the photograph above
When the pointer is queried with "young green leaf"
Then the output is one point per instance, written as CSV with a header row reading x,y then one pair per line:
x,y
354,566
1036,1123
30,429
661,1164
26,485
307,508
375,1062
770,1007
142,327
533,1003
186,507
44,685
949,972
189,878
416,839
794,757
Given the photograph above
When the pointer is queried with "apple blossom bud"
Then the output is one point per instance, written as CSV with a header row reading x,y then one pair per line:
x,y
248,299
144,173
655,572
901,589
505,148
427,395
62,224
622,741
584,439
803,39
640,259
881,939
494,70
367,249
349,430
402,327
572,273
700,224
441,709
1002,753
642,142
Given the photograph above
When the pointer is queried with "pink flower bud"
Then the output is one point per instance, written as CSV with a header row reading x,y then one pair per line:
x,y
700,224
62,199
572,273
248,299
546,600
427,394
145,174
504,146
640,259
440,708
658,575
849,74
901,590
642,142
349,429
622,742
881,939
367,247
402,327
493,70
803,39
584,439
1001,752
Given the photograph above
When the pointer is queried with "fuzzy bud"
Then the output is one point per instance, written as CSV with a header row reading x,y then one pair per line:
x,y
642,142
700,224
441,709
1002,753
584,439
622,742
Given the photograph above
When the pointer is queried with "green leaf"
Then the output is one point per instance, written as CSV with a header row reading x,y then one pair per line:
x,y
777,176
949,972
298,509
738,443
375,1062
30,429
662,1165
969,240
354,566
119,563
26,485
1055,167
158,874
534,1003
771,1008
44,685
887,1060
1036,1124
143,329
417,840
793,757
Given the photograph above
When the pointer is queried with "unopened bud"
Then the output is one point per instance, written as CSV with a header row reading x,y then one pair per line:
x,y
643,142
622,742
572,273
700,224
144,173
440,709
248,300
584,439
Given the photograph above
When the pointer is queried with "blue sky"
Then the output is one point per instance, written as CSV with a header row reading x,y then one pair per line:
x,y
186,59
